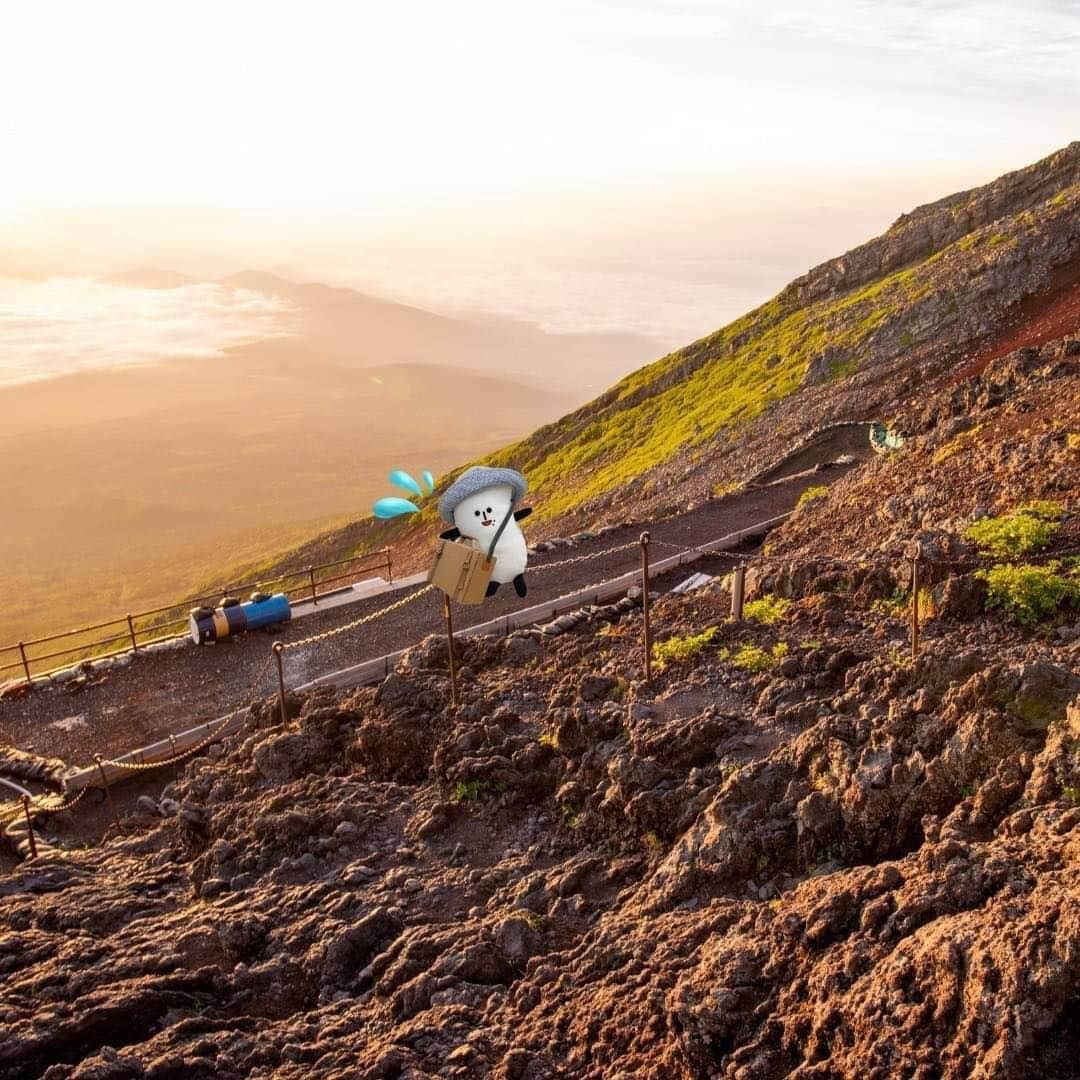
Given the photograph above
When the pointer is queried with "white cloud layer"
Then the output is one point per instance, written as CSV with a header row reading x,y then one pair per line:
x,y
61,325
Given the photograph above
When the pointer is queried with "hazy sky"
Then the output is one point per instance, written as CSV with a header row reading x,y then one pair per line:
x,y
361,141
251,103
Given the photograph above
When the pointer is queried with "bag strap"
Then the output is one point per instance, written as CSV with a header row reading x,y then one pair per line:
x,y
499,531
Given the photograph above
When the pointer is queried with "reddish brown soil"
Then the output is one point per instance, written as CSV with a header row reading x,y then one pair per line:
x,y
1039,318
845,866
998,440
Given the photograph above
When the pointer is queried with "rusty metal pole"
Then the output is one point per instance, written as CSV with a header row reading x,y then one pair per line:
x,y
279,648
645,605
915,605
25,662
738,592
454,698
105,785
131,633
29,826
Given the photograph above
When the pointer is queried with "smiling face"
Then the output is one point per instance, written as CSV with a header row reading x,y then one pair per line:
x,y
479,515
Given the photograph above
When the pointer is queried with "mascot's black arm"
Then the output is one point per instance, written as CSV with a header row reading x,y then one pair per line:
x,y
453,534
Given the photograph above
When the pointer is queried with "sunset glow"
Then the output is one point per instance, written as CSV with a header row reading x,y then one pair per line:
x,y
251,105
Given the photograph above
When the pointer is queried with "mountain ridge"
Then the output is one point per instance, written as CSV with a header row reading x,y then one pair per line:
x,y
822,331
837,343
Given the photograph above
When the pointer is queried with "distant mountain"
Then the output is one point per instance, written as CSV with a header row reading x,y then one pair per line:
x,y
358,329
351,327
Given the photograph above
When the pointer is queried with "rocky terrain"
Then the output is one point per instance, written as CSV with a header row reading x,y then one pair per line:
x,y
798,853
983,445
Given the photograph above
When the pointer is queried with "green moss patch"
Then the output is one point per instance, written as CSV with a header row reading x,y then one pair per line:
x,y
1029,595
1027,529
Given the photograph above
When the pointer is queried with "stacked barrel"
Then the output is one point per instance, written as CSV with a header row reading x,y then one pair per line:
x,y
236,617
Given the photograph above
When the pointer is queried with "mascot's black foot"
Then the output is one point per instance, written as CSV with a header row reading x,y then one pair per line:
x,y
492,589
519,585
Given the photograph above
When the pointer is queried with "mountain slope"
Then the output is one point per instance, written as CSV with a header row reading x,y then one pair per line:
x,y
795,853
948,285
840,341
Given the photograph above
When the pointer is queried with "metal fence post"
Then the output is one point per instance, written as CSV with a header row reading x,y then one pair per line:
x,y
25,662
454,698
311,576
644,540
29,827
131,633
279,648
738,592
389,568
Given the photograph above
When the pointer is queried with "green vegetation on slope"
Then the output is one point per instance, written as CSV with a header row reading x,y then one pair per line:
x,y
712,388
703,396
687,398
1026,529
1031,594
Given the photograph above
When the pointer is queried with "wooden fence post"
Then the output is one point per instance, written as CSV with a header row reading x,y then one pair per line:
x,y
915,605
105,784
738,592
279,648
29,826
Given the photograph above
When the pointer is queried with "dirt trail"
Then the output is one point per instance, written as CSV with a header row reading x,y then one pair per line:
x,y
170,692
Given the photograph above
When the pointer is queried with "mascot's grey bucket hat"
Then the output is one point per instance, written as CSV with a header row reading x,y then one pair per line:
x,y
476,479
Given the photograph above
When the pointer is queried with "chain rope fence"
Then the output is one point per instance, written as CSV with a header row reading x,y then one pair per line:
x,y
582,558
34,807
362,621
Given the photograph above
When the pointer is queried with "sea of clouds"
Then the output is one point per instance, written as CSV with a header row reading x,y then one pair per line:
x,y
66,324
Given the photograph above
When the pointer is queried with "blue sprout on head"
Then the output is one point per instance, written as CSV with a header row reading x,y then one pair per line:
x,y
394,506
400,478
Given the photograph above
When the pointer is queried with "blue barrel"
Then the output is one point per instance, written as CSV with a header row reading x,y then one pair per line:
x,y
230,619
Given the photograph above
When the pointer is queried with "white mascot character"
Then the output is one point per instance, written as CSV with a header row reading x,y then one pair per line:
x,y
480,506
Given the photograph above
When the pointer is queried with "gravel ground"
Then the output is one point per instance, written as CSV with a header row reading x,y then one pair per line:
x,y
169,692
